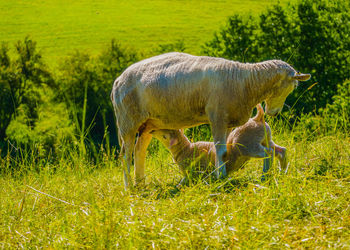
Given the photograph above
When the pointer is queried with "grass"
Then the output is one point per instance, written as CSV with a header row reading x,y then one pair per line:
x,y
61,26
84,205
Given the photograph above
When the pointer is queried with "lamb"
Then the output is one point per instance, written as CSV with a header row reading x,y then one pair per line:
x,y
178,90
251,140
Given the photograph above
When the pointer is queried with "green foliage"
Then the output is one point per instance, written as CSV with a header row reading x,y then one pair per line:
x,y
49,131
312,36
235,41
335,116
49,113
340,108
85,84
6,100
178,46
20,80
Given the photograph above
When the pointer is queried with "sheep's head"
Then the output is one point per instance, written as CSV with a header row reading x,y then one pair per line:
x,y
286,85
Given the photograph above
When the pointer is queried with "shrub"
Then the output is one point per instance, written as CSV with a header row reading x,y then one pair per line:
x,y
49,132
20,79
85,84
339,110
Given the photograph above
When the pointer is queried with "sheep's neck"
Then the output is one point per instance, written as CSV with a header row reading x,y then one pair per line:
x,y
258,82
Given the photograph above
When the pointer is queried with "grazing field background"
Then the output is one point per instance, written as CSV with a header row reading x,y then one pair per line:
x,y
61,27
60,177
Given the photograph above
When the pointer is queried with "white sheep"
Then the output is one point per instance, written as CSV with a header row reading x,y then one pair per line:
x,y
177,90
251,140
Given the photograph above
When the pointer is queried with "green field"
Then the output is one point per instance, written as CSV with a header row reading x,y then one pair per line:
x,y
61,26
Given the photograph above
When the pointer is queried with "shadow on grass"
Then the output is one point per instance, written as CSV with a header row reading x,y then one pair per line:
x,y
158,190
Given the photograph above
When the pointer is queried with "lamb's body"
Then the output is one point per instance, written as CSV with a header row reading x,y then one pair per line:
x,y
199,155
251,140
177,90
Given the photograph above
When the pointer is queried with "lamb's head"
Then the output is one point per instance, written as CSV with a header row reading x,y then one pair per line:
x,y
168,137
254,139
286,80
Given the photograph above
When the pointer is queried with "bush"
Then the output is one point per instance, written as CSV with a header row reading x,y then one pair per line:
x,y
85,84
20,80
339,110
50,132
50,114
333,117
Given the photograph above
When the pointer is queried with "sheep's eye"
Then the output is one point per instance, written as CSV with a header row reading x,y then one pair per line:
x,y
164,136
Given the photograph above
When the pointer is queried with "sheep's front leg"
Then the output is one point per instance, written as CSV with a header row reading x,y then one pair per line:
x,y
219,130
268,159
140,155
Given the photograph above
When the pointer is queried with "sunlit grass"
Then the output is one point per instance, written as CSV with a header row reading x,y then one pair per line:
x,y
80,204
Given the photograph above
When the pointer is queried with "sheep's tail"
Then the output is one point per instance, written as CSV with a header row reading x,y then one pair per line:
x,y
260,115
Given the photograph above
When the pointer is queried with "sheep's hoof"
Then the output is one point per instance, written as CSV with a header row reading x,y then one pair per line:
x,y
264,177
221,172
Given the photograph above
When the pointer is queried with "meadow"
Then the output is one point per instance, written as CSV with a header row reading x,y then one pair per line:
x,y
60,27
61,182
77,204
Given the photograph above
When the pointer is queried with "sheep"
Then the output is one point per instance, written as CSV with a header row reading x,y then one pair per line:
x,y
251,140
178,90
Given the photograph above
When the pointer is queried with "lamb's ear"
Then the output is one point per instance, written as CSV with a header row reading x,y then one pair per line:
x,y
173,141
260,115
301,77
182,131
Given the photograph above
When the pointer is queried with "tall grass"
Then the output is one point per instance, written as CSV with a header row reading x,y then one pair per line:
x,y
75,203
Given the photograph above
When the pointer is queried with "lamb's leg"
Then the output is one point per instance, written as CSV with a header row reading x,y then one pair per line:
x,y
140,155
219,130
281,154
257,150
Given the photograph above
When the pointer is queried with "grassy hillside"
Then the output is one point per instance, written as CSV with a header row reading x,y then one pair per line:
x,y
60,26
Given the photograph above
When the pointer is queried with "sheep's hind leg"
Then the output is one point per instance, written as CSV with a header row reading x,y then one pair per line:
x,y
128,147
140,155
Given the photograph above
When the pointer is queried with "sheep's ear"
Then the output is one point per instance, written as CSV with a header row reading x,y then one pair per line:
x,y
301,77
182,131
260,115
